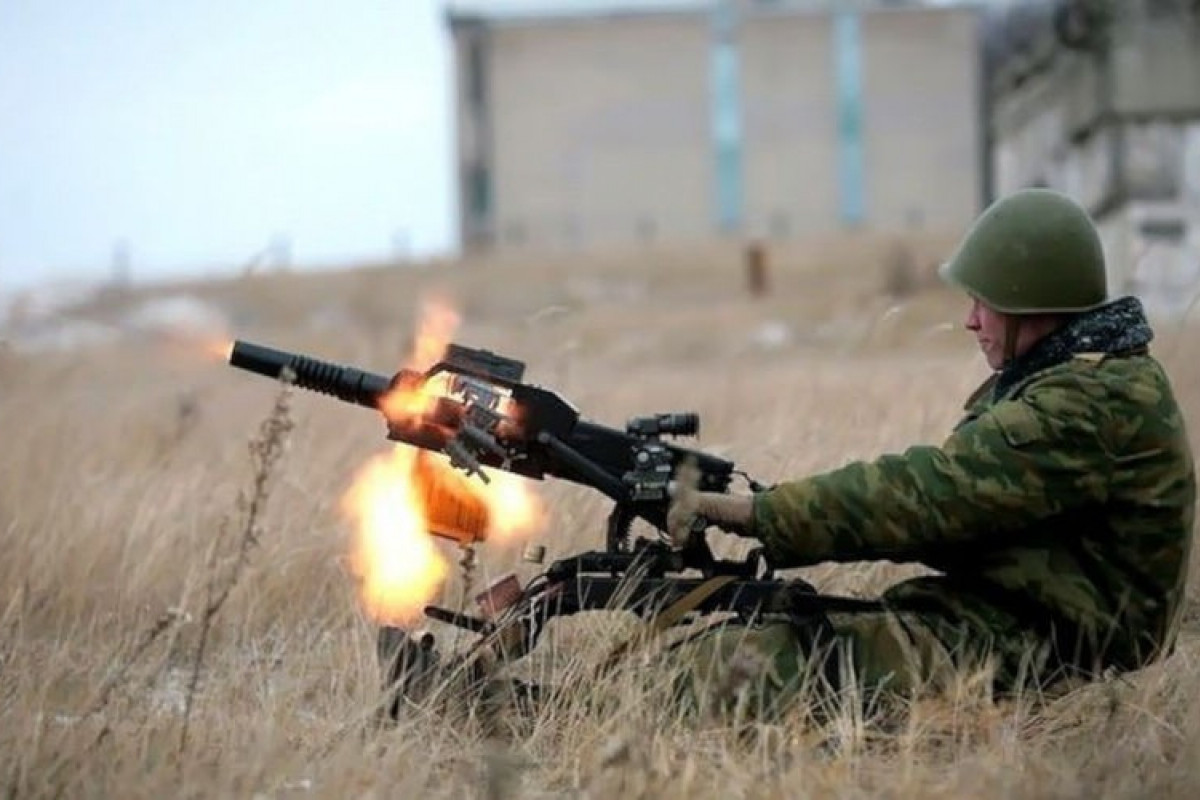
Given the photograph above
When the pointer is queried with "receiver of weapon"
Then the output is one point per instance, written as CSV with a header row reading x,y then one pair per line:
x,y
484,418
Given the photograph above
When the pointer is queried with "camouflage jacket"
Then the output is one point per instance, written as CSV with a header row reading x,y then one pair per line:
x,y
1061,504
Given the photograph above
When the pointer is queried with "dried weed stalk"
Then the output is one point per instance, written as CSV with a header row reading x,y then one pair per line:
x,y
148,638
266,451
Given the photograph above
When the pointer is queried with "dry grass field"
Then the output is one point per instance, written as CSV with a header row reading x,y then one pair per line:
x,y
125,472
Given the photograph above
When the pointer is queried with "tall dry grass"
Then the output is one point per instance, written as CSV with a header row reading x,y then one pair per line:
x,y
127,485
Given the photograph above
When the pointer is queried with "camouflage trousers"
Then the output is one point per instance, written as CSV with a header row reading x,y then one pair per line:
x,y
865,657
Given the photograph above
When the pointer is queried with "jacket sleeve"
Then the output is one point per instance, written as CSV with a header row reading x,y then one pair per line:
x,y
1020,461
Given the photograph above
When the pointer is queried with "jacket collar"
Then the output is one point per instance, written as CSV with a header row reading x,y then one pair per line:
x,y
1115,328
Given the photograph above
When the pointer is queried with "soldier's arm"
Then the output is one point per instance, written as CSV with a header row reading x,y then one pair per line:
x,y
1018,462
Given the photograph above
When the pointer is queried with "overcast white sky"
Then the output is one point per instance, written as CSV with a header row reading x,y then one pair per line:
x,y
198,130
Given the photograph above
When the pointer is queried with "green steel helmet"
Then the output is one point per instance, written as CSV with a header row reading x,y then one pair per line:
x,y
1033,252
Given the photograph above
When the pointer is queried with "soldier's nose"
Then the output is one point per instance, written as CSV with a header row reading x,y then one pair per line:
x,y
971,323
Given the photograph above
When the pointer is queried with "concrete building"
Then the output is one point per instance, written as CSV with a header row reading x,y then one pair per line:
x,y
1101,100
689,120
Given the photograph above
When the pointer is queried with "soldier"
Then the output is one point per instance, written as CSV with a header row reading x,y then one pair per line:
x,y
1058,512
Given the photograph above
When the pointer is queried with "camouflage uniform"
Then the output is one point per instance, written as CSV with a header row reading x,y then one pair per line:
x,y
1058,512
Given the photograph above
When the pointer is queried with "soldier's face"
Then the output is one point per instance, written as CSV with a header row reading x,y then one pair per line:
x,y
990,328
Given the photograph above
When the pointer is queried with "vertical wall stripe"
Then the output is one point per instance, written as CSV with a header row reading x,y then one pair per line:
x,y
847,49
725,105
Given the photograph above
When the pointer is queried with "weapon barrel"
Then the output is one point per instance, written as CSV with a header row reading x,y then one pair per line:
x,y
345,383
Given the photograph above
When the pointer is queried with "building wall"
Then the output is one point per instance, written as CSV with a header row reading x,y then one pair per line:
x,y
1080,123
1153,252
606,129
923,124
1120,133
1157,68
472,114
600,130
790,124
887,100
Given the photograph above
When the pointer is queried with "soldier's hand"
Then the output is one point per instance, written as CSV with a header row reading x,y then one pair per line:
x,y
692,510
684,509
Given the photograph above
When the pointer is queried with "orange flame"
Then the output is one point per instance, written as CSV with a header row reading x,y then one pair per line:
x,y
397,563
209,348
219,348
401,497
437,329
409,405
